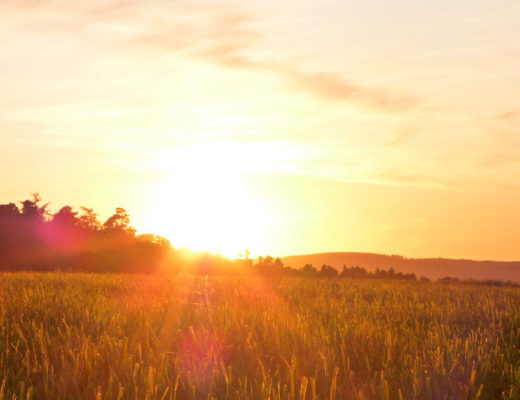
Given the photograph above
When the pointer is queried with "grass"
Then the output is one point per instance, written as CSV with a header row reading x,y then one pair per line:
x,y
72,336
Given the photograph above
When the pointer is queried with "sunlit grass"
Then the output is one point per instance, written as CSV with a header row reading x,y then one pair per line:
x,y
65,336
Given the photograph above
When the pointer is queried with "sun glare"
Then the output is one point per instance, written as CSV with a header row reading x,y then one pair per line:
x,y
207,206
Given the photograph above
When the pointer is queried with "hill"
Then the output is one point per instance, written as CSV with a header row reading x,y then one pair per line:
x,y
432,268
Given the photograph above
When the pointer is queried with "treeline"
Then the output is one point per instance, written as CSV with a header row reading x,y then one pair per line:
x,y
274,266
32,238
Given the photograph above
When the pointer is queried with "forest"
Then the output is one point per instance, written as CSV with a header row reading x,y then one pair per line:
x,y
34,239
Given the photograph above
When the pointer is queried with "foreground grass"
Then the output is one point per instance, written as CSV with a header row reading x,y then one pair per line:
x,y
65,336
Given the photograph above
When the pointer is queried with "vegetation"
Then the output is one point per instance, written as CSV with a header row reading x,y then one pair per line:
x,y
31,238
113,336
233,329
433,268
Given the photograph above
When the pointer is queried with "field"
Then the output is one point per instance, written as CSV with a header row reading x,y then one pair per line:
x,y
71,336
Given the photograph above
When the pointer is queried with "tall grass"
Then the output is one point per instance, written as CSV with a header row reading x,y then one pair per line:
x,y
71,336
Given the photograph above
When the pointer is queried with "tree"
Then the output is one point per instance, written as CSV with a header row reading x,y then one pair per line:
x,y
89,219
278,263
66,216
8,211
155,239
120,221
32,208
328,272
32,239
309,270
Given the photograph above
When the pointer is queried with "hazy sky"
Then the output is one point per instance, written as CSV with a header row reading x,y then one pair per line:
x,y
284,127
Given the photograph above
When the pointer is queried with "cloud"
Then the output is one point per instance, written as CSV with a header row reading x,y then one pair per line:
x,y
401,137
224,40
215,34
333,86
14,131
219,33
226,35
506,116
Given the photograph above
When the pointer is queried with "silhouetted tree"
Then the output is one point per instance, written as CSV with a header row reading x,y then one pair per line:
x,y
353,272
309,271
328,272
89,219
8,211
32,208
120,221
66,216
31,238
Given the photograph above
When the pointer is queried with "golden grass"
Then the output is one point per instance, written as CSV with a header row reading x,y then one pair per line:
x,y
73,336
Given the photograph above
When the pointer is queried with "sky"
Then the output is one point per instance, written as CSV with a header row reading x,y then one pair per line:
x,y
284,128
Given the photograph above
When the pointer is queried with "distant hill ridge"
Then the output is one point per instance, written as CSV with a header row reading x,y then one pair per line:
x,y
432,268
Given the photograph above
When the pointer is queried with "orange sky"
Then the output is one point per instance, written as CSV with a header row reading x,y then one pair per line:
x,y
285,128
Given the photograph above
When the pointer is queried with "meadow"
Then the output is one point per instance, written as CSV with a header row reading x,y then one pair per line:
x,y
109,336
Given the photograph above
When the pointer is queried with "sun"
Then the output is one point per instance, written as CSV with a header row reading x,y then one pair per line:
x,y
208,206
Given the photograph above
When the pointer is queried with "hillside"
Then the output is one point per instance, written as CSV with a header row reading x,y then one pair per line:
x,y
432,268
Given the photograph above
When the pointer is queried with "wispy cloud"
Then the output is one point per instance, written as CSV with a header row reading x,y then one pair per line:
x,y
333,86
401,137
226,36
506,116
219,33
